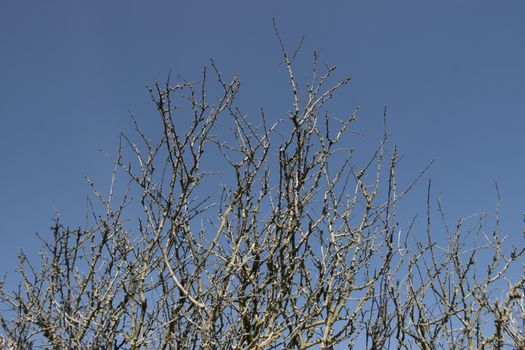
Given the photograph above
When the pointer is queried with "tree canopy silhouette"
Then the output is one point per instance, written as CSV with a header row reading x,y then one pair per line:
x,y
291,244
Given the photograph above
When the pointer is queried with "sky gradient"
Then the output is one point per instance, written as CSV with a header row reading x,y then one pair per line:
x,y
452,74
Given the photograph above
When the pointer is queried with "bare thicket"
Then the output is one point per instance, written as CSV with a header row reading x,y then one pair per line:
x,y
291,243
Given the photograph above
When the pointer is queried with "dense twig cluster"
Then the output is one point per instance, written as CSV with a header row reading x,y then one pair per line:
x,y
299,249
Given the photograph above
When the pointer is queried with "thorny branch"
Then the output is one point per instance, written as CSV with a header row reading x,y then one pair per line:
x,y
299,248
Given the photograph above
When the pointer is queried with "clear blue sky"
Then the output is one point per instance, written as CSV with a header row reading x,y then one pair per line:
x,y
451,72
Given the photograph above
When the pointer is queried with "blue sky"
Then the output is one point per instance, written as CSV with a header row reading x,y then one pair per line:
x,y
451,72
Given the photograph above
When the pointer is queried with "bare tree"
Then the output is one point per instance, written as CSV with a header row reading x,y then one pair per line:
x,y
298,248
459,296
